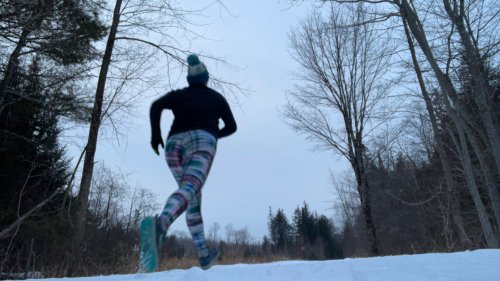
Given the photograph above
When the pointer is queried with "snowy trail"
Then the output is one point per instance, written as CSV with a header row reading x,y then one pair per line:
x,y
481,265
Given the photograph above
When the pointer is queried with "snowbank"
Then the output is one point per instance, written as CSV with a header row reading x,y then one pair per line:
x,y
480,265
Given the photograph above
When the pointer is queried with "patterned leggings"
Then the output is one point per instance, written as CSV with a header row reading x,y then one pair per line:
x,y
189,156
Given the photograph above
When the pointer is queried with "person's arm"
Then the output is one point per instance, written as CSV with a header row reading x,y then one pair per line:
x,y
229,122
154,117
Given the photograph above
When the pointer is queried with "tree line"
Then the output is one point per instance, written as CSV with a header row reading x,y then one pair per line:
x,y
409,87
305,236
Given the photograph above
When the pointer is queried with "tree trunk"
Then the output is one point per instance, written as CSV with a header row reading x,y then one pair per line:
x,y
489,234
108,207
88,164
479,76
447,231
475,68
463,150
12,66
365,198
5,232
443,157
489,179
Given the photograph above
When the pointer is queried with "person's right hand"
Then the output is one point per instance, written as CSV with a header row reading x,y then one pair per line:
x,y
155,141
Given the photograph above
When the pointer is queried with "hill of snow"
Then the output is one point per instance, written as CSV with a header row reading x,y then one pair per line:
x,y
480,265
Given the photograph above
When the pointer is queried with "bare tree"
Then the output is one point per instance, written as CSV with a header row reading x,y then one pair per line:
x,y
90,148
465,157
213,232
344,64
242,237
459,15
466,34
453,36
347,205
229,229
109,190
468,129
142,202
445,162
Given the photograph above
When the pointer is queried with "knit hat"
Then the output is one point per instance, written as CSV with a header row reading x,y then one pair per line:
x,y
197,71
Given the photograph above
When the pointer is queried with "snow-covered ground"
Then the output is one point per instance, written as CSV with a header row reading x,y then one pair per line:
x,y
480,265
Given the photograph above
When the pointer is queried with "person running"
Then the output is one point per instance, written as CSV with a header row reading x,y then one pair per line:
x,y
190,149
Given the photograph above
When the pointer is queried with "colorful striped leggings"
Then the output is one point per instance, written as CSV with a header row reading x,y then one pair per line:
x,y
189,156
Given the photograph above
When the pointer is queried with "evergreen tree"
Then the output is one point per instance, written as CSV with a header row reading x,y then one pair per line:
x,y
61,34
32,161
60,30
266,245
279,230
331,248
33,167
304,225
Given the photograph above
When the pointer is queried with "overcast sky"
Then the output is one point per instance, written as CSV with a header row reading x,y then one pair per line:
x,y
265,163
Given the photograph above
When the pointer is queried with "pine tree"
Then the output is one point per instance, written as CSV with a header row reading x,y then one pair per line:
x,y
33,163
33,166
304,225
331,249
279,230
60,30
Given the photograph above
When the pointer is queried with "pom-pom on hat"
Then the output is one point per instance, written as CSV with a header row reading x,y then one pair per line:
x,y
197,71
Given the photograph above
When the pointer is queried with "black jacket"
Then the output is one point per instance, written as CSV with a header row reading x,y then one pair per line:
x,y
195,107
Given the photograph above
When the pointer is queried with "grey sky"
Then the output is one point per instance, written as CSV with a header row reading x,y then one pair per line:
x,y
265,163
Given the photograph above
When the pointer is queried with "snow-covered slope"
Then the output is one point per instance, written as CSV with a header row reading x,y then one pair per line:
x,y
481,265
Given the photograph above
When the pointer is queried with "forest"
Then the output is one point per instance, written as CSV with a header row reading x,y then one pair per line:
x,y
406,91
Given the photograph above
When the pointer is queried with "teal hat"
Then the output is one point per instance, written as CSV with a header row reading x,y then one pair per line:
x,y
197,71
